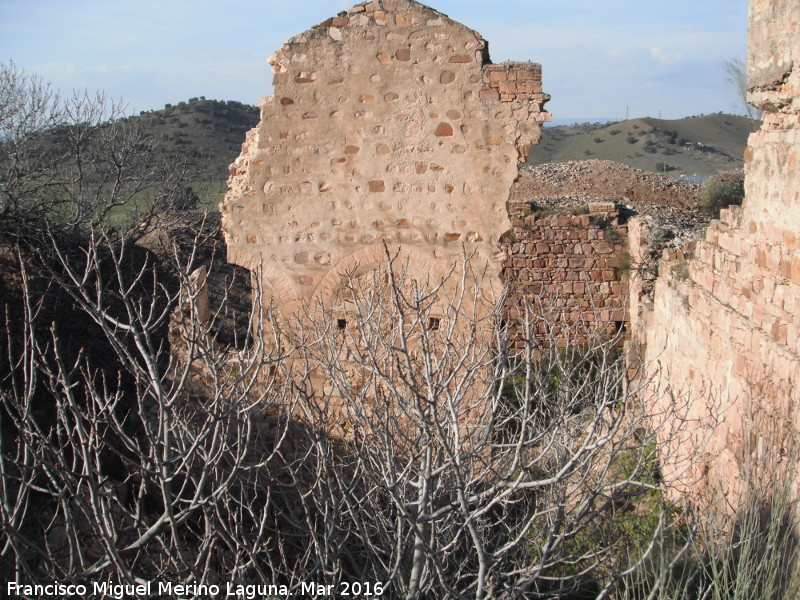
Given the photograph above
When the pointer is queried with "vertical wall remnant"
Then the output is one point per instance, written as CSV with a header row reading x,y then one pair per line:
x,y
725,328
388,125
568,267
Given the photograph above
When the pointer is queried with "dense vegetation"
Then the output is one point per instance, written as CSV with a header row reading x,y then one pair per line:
x,y
721,191
208,132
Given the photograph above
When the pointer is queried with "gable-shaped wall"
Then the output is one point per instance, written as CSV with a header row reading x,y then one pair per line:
x,y
388,126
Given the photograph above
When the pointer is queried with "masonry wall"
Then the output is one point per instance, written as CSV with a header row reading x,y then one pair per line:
x,y
388,125
571,266
725,325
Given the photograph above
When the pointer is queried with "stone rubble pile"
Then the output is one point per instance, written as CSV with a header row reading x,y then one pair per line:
x,y
668,201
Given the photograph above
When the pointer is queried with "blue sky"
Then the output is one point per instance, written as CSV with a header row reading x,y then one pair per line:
x,y
600,58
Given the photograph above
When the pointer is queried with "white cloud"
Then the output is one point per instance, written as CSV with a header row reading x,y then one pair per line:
x,y
665,56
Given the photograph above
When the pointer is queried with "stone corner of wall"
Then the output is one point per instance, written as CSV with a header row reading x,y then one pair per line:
x,y
512,81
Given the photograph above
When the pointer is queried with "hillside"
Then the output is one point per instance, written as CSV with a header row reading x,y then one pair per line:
x,y
703,145
209,132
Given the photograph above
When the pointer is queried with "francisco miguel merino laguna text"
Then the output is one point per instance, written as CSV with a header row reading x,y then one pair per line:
x,y
147,588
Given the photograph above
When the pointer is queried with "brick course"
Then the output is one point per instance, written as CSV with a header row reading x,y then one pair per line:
x,y
574,266
725,323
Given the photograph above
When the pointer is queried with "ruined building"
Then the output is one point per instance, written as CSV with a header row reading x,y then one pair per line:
x,y
724,331
388,125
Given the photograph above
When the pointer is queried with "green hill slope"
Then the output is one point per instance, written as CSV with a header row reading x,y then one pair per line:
x,y
209,132
695,145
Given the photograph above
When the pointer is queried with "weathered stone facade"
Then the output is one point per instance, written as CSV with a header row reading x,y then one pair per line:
x,y
573,265
725,326
388,125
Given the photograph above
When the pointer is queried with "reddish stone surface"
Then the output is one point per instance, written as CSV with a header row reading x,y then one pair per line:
x,y
384,143
724,324
444,130
569,263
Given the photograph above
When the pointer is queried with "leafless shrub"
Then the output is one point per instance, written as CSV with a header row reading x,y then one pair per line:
x,y
408,449
405,450
735,70
77,161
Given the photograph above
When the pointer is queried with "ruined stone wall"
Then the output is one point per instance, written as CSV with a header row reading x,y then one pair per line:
x,y
772,183
572,266
388,125
725,326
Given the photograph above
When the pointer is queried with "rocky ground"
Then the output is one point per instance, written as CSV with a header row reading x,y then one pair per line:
x,y
669,201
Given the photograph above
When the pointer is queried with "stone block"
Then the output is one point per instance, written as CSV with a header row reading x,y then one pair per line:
x,y
779,331
507,87
444,130
795,270
602,208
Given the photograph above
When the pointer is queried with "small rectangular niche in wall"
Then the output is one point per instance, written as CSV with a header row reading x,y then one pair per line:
x,y
433,323
341,323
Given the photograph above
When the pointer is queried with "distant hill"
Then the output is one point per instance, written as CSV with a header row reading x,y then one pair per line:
x,y
208,132
703,145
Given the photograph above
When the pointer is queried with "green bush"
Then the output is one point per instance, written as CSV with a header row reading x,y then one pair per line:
x,y
753,554
719,192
